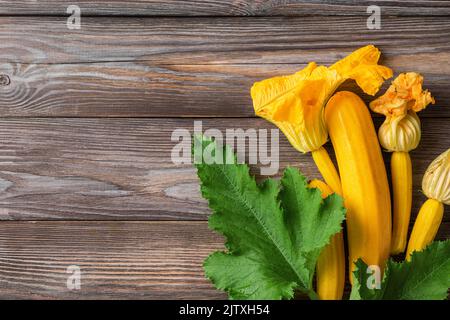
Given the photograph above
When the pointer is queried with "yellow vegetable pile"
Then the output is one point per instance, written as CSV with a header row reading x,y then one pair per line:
x,y
309,111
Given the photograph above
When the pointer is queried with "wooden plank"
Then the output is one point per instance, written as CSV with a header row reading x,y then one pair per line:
x,y
220,40
142,89
121,169
224,7
191,67
117,260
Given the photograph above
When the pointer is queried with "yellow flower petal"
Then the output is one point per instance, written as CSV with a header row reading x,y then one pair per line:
x,y
404,94
362,66
295,103
270,90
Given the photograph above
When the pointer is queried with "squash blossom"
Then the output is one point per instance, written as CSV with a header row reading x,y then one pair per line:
x,y
295,103
400,133
401,129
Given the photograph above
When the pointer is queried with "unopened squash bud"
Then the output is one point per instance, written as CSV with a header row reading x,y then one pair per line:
x,y
436,181
400,134
401,129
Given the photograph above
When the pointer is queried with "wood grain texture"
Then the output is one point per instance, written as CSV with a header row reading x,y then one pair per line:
x,y
121,169
224,7
142,89
142,260
118,260
153,67
220,40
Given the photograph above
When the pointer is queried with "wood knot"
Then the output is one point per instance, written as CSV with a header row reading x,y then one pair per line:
x,y
4,80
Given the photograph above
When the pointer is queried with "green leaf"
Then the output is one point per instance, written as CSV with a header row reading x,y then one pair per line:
x,y
271,253
425,277
311,220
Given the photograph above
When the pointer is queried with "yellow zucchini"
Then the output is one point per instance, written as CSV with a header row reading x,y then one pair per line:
x,y
436,186
400,133
426,226
330,269
363,176
401,172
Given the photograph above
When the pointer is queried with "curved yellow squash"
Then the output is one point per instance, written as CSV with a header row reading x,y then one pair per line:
x,y
364,181
426,226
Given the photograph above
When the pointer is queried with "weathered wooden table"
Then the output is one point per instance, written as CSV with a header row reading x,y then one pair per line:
x,y
87,114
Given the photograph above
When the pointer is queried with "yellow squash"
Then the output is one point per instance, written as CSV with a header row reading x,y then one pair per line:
x,y
400,133
426,226
295,103
363,176
330,268
401,172
436,186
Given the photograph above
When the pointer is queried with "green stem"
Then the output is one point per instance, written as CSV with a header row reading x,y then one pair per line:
x,y
313,295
